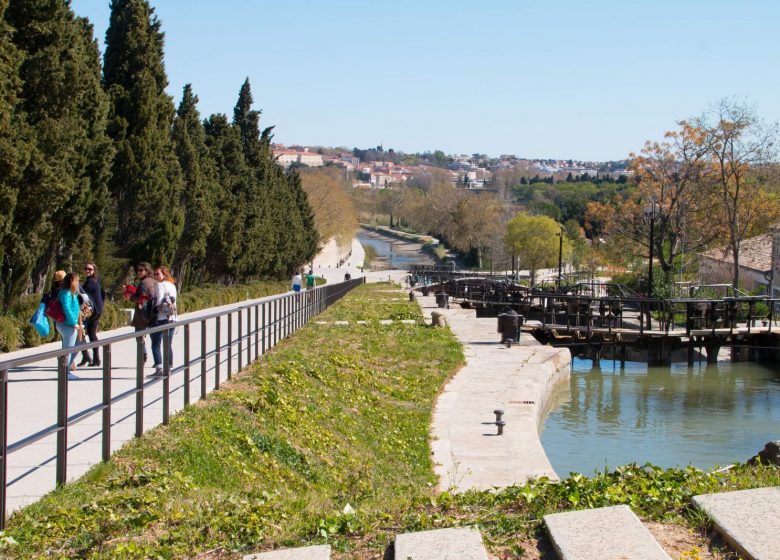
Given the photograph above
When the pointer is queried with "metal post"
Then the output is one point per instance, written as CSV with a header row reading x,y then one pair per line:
x,y
263,326
218,351
3,444
139,386
203,365
62,419
106,435
258,326
560,260
650,270
240,339
166,411
248,336
186,364
230,345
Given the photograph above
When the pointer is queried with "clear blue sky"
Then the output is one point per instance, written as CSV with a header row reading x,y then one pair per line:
x,y
556,78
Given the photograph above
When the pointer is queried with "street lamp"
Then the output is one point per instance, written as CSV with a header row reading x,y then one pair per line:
x,y
560,259
651,212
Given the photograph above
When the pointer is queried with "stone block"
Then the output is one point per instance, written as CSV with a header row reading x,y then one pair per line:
x,y
305,553
602,533
749,520
442,544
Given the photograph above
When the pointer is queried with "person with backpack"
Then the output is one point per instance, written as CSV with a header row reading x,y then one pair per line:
x,y
70,327
91,287
166,313
144,296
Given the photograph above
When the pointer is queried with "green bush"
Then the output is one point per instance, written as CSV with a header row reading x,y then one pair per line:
x,y
10,334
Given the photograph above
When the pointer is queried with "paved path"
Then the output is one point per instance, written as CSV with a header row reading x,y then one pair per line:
x,y
519,380
32,394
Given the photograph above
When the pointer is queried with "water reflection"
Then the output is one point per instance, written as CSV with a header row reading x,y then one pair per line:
x,y
393,252
704,415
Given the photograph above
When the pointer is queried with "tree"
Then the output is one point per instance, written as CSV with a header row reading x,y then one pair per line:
x,y
534,240
146,181
335,215
477,220
311,239
200,188
739,147
62,189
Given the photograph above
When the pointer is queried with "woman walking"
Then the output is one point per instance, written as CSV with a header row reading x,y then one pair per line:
x,y
93,289
70,328
166,313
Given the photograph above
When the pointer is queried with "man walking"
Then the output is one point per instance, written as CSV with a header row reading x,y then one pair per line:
x,y
310,280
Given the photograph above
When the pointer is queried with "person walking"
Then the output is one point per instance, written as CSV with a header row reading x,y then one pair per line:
x,y
70,328
91,286
297,281
310,280
166,313
143,294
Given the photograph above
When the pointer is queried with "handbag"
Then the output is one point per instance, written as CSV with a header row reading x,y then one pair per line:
x,y
40,322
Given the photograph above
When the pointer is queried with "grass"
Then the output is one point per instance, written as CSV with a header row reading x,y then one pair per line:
x,y
324,440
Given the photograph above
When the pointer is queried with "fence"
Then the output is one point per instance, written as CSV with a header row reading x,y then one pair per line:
x,y
252,329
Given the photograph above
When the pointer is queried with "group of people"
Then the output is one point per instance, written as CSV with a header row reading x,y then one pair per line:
x,y
297,281
154,296
76,308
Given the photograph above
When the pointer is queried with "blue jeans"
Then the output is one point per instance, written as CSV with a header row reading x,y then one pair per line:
x,y
157,342
69,338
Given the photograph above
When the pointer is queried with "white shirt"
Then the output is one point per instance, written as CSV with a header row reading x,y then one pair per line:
x,y
165,288
297,280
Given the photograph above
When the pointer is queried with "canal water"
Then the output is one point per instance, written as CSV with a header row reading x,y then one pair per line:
x,y
393,253
706,415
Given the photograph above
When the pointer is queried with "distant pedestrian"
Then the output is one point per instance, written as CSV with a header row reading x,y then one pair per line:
x,y
166,313
143,294
70,328
297,281
92,288
310,280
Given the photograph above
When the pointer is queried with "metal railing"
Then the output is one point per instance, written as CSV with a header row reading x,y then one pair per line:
x,y
260,325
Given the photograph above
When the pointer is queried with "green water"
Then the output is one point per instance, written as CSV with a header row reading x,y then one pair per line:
x,y
706,415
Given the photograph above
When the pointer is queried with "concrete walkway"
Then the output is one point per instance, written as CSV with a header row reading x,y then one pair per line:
x,y
32,394
519,380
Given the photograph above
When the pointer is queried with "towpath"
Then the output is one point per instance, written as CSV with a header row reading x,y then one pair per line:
x,y
519,380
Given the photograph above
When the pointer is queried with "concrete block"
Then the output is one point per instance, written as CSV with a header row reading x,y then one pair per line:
x,y
442,544
341,323
613,533
385,321
749,520
408,321
305,553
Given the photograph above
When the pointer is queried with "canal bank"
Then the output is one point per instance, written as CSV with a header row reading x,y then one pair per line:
x,y
467,452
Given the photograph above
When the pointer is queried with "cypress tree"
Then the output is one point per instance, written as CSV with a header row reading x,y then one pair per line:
x,y
308,248
64,105
200,188
146,181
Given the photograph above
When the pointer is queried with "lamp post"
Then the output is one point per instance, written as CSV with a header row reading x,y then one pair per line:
x,y
651,211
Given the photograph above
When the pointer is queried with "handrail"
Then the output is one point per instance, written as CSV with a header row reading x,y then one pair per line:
x,y
275,318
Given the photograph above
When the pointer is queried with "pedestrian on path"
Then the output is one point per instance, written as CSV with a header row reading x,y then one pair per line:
x,y
144,295
94,291
297,280
310,280
166,313
70,328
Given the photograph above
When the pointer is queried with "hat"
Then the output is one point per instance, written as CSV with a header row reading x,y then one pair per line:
x,y
59,276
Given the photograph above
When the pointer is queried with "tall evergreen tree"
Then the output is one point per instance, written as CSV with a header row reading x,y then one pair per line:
x,y
64,105
310,241
146,180
200,188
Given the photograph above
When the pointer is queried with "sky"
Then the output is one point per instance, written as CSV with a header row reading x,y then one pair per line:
x,y
580,79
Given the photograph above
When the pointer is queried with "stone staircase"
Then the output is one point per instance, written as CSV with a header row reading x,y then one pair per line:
x,y
749,521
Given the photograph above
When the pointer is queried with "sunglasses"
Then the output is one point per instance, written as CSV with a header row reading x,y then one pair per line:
x,y
88,268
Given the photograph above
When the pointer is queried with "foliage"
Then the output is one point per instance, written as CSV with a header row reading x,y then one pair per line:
x,y
565,201
535,241
334,213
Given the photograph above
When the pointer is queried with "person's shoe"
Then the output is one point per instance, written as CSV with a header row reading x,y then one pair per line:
x,y
158,372
85,361
72,366
146,357
95,363
72,376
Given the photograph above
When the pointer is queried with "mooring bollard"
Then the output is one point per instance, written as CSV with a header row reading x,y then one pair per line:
x,y
499,422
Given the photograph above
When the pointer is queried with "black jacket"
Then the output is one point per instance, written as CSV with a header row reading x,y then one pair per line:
x,y
92,288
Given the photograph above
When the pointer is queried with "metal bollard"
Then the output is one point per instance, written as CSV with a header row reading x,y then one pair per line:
x,y
499,422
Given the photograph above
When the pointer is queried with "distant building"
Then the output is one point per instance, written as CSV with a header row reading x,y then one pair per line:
x,y
759,263
286,157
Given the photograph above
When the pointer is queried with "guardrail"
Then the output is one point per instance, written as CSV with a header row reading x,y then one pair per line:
x,y
260,326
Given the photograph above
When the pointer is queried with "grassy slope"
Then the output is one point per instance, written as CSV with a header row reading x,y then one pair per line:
x,y
324,440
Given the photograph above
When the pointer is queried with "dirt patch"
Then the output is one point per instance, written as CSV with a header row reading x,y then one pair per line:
x,y
683,543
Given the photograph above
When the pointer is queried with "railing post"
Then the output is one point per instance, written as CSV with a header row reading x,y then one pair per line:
x,y
203,365
62,419
218,350
186,364
258,326
264,327
240,340
166,411
276,322
106,435
248,336
230,344
139,386
3,444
